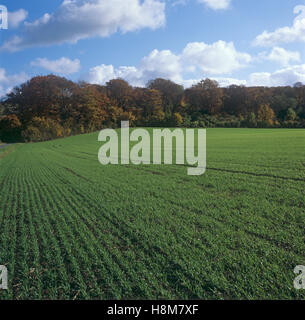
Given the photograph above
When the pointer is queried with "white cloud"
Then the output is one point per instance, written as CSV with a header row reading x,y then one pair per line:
x,y
161,64
80,19
156,64
8,82
260,79
218,58
281,56
16,17
295,33
178,2
223,82
212,4
216,4
101,74
198,59
283,77
12,44
62,66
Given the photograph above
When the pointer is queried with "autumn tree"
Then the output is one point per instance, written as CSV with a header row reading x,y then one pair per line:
x,y
291,115
42,129
121,92
266,114
205,97
251,121
178,119
42,96
300,97
172,94
235,100
151,103
90,105
48,107
10,128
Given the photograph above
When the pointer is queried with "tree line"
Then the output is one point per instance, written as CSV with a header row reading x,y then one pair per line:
x,y
50,107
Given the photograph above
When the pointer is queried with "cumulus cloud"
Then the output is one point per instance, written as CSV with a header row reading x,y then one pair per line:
x,y
62,66
8,82
283,77
161,64
80,19
156,64
218,58
281,56
197,58
16,17
101,74
198,61
212,4
223,82
295,33
216,4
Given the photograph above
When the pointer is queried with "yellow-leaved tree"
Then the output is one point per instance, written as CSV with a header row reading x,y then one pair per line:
x,y
266,114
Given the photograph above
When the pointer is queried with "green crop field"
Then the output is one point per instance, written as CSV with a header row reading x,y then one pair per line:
x,y
71,228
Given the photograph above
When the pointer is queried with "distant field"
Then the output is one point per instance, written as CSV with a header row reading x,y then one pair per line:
x,y
71,228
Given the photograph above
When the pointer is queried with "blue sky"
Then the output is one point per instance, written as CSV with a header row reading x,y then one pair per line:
x,y
233,41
